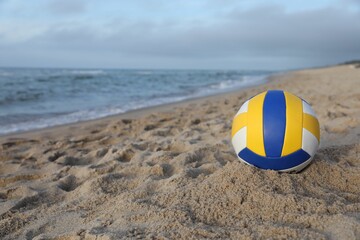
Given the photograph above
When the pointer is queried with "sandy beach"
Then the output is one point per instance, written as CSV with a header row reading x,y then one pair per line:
x,y
170,172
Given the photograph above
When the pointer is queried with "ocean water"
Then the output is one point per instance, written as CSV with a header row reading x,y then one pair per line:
x,y
39,98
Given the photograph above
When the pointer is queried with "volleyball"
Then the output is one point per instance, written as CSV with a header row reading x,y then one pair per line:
x,y
276,130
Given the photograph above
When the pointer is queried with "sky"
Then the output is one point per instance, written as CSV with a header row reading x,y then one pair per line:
x,y
179,34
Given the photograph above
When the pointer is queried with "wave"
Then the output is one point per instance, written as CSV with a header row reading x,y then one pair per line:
x,y
152,97
223,85
84,115
58,119
71,75
144,72
230,85
21,96
87,72
5,74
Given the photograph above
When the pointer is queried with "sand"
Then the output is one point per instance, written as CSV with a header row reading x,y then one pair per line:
x,y
171,173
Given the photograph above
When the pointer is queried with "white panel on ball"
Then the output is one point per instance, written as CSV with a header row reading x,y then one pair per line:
x,y
239,140
244,108
309,142
307,109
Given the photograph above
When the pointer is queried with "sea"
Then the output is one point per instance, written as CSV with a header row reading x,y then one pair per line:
x,y
38,98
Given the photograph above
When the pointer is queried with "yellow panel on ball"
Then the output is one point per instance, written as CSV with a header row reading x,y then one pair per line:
x,y
312,125
255,140
294,124
238,123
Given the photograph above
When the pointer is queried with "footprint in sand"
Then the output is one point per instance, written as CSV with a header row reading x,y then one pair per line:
x,y
72,161
125,156
142,146
113,183
17,141
101,152
68,184
27,203
150,127
162,170
195,157
163,132
55,156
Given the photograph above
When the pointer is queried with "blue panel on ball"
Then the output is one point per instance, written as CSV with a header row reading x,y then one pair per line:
x,y
274,121
274,163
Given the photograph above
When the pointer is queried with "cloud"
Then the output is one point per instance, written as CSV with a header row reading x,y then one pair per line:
x,y
355,1
268,30
65,7
262,37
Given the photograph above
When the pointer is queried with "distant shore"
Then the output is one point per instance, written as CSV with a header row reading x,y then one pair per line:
x,y
170,172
